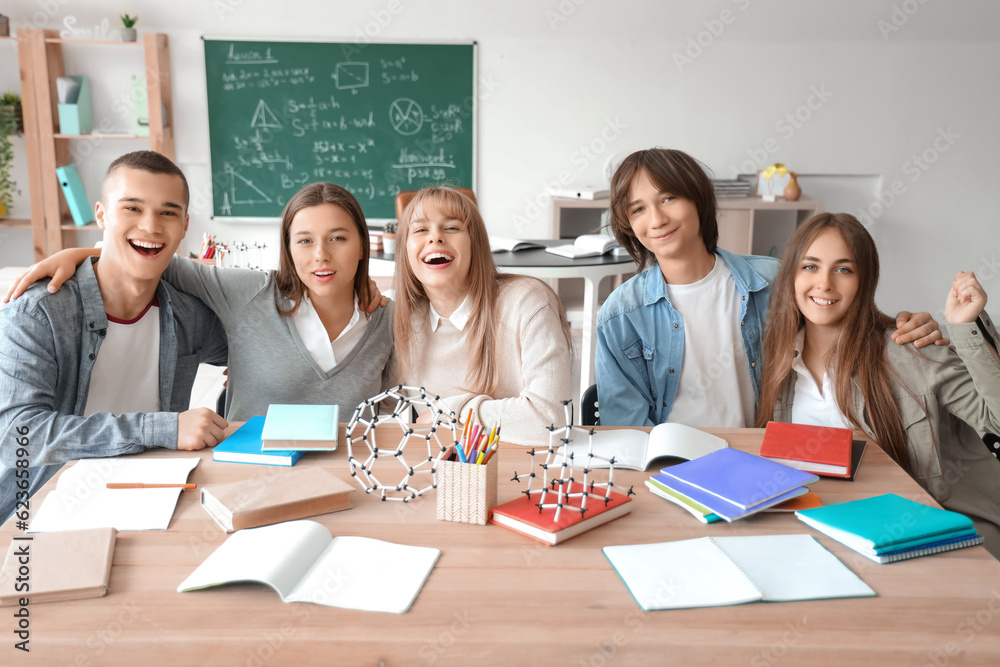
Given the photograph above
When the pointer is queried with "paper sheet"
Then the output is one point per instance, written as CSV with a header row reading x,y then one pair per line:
x,y
81,498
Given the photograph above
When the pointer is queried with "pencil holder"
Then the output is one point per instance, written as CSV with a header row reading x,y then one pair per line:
x,y
466,492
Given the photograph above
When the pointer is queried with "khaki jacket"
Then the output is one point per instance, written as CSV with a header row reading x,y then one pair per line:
x,y
946,394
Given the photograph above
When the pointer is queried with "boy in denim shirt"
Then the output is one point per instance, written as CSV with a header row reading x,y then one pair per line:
x,y
681,340
105,365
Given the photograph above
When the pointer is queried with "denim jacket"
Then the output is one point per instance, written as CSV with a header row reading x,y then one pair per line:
x,y
48,346
640,340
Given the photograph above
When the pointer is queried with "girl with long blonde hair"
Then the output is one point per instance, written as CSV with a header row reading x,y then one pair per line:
x,y
497,344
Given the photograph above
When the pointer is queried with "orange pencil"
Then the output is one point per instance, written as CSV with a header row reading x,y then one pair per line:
x,y
140,485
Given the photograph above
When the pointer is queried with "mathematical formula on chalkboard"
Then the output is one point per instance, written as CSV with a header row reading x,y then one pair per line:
x,y
375,119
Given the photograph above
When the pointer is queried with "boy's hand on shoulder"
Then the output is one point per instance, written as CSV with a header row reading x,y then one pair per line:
x,y
379,300
966,299
920,329
199,428
36,272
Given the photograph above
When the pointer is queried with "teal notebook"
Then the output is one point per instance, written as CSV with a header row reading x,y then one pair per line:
x,y
300,427
244,446
890,524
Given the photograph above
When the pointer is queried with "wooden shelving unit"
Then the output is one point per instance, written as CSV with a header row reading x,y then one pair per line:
x,y
41,58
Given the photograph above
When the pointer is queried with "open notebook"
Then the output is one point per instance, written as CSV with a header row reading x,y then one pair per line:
x,y
635,450
303,563
720,571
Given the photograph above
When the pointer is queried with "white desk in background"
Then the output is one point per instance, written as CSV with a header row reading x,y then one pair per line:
x,y
544,265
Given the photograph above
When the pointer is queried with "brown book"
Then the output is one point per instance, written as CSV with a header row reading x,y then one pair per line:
x,y
261,501
63,565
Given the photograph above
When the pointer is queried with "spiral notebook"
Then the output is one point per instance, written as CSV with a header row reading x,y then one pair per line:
x,y
722,571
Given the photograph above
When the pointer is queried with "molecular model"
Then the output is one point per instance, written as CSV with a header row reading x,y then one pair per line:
x,y
564,490
395,429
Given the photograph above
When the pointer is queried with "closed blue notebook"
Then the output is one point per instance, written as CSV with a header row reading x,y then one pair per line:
x,y
739,478
723,508
887,523
300,427
244,446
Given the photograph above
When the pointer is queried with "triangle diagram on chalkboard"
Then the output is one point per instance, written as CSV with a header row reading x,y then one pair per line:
x,y
264,117
243,191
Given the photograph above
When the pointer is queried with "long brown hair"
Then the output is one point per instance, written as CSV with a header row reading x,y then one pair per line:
x,y
859,355
483,374
287,278
670,171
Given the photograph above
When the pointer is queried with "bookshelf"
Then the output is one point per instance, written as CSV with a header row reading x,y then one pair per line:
x,y
41,55
8,221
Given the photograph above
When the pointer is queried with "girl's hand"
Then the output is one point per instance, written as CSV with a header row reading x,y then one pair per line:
x,y
966,299
60,267
920,328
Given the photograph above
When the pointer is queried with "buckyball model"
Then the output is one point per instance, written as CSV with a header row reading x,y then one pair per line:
x,y
436,437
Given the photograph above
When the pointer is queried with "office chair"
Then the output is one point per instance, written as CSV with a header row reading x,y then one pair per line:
x,y
589,412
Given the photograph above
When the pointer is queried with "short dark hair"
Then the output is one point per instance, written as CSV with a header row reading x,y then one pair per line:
x,y
670,171
150,161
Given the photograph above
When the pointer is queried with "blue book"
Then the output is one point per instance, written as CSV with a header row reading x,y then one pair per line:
x,y
882,526
739,478
716,505
300,427
244,446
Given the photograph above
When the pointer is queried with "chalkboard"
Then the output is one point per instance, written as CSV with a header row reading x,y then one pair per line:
x,y
373,118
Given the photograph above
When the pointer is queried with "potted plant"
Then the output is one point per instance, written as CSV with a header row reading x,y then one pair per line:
x,y
12,100
128,32
7,126
4,26
389,238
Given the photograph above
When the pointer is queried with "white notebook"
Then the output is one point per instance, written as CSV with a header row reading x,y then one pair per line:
x,y
303,563
82,500
720,571
635,449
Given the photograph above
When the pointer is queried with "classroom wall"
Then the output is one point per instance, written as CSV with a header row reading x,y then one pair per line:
x,y
868,99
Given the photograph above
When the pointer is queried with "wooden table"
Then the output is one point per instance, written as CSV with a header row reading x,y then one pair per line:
x,y
498,598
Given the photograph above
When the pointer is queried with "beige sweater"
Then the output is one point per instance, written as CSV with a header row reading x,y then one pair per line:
x,y
535,371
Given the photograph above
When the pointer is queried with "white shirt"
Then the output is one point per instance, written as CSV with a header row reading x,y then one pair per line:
x,y
126,375
812,404
458,319
715,388
314,336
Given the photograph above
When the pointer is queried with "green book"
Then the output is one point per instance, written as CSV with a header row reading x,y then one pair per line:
x,y
306,428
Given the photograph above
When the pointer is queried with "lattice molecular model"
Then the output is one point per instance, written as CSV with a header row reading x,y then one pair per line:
x,y
363,451
564,490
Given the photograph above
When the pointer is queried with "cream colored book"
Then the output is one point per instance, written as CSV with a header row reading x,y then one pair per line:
x,y
63,565
289,495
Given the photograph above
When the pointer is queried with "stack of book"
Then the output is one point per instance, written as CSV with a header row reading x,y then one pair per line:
x,y
889,528
731,189
822,450
730,484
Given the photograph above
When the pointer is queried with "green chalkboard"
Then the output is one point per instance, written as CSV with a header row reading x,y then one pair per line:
x,y
373,118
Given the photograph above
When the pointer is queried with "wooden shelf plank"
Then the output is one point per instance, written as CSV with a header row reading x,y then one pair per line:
x,y
16,222
70,227
60,40
98,136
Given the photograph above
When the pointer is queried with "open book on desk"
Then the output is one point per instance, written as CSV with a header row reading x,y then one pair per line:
x,y
303,563
587,245
635,449
719,571
502,244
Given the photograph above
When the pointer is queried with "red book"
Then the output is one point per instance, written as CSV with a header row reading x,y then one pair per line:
x,y
821,450
523,516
